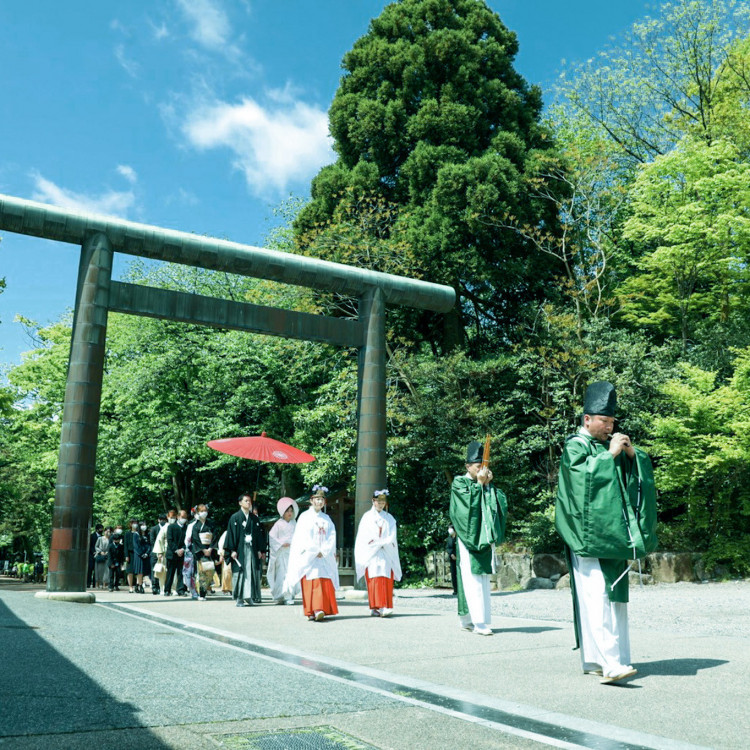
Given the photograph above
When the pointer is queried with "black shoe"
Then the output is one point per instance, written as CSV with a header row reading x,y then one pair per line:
x,y
111,591
167,593
240,603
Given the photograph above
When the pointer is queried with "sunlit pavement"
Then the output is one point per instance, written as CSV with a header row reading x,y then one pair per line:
x,y
183,673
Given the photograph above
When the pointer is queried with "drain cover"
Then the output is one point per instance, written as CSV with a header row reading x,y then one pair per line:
x,y
307,738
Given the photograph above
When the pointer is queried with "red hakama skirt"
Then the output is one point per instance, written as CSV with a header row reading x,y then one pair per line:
x,y
380,591
318,595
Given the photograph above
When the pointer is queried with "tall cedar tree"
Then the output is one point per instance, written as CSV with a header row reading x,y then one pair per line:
x,y
431,117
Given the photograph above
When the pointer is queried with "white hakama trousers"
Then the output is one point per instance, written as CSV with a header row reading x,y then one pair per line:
x,y
605,637
476,590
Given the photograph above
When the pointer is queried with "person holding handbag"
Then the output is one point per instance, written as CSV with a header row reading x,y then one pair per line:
x,y
204,550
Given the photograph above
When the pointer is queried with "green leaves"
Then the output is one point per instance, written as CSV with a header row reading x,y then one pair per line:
x,y
431,117
690,224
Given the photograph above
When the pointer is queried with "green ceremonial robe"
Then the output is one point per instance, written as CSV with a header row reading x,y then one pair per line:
x,y
478,515
606,507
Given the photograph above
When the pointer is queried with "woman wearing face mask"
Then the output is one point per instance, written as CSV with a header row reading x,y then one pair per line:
x,y
312,559
160,551
129,542
142,562
116,555
203,542
101,550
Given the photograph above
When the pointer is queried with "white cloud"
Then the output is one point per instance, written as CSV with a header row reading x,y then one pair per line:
x,y
128,173
110,203
273,146
160,32
210,25
131,67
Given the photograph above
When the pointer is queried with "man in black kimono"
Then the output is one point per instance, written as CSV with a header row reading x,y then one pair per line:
x,y
175,553
450,550
243,547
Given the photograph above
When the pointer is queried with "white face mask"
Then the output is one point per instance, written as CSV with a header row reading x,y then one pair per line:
x,y
134,526
182,521
172,520
118,531
203,515
143,527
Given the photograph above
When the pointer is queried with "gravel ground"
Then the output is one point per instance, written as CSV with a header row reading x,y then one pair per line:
x,y
706,609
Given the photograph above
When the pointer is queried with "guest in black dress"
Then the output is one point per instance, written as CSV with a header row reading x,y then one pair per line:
x,y
116,554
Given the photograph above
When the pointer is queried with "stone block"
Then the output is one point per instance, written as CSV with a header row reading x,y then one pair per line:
x,y
671,567
546,565
513,570
564,582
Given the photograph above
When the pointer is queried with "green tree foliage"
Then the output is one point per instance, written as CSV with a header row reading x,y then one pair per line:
x,y
609,243
171,387
431,116
31,438
704,468
664,81
690,229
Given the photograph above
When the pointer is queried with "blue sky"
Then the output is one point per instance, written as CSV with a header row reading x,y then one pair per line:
x,y
199,115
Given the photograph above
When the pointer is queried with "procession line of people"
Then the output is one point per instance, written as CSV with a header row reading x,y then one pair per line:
x,y
605,514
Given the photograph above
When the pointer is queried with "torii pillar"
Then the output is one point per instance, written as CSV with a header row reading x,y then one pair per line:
x,y
74,491
371,453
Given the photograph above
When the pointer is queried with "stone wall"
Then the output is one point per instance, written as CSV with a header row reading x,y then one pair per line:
x,y
519,570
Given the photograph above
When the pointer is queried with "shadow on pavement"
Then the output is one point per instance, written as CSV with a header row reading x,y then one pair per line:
x,y
538,629
43,693
677,667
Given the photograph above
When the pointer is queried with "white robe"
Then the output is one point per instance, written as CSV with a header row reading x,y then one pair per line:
x,y
278,562
605,636
376,547
476,589
315,534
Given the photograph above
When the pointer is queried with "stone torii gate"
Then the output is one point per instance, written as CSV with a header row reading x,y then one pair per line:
x,y
97,294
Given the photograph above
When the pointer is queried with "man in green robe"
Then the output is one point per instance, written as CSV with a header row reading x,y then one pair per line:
x,y
606,515
478,511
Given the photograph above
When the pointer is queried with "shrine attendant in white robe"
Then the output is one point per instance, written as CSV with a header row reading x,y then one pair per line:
x,y
279,541
376,555
312,559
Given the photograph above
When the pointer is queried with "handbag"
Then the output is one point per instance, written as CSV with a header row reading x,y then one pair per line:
x,y
100,558
159,567
207,565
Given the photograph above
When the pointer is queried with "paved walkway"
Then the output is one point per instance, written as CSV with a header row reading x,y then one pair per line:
x,y
177,673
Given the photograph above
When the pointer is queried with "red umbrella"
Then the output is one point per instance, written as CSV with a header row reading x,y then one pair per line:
x,y
261,448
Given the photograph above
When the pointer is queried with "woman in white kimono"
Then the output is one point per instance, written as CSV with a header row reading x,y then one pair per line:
x,y
279,541
312,559
376,555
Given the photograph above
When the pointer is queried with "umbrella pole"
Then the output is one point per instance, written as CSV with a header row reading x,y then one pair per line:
x,y
257,479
